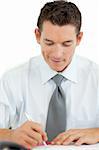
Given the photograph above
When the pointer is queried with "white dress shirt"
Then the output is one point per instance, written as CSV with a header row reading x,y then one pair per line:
x,y
28,88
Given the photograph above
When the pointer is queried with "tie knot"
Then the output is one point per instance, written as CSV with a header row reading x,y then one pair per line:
x,y
58,79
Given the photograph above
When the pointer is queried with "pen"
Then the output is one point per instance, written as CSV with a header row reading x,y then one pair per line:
x,y
30,119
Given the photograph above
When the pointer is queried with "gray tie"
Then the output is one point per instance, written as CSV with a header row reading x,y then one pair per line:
x,y
56,118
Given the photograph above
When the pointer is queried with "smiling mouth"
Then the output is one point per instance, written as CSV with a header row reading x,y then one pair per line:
x,y
56,60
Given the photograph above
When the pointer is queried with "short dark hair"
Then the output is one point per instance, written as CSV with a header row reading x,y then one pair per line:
x,y
60,12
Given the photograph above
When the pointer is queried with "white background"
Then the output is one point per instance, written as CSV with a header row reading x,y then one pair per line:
x,y
17,24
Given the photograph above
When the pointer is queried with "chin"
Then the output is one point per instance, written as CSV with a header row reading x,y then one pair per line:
x,y
58,69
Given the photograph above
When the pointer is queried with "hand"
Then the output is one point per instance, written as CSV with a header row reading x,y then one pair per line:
x,y
28,135
78,136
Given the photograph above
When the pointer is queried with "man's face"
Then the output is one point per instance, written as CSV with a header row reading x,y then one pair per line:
x,y
58,44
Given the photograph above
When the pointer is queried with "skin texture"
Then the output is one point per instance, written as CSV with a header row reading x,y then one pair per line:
x,y
78,136
28,135
58,45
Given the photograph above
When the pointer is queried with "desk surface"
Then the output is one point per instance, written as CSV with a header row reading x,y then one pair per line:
x,y
69,147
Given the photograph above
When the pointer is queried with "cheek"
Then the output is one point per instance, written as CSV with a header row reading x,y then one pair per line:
x,y
68,55
46,51
69,52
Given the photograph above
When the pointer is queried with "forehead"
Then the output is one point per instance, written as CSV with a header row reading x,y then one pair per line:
x,y
50,30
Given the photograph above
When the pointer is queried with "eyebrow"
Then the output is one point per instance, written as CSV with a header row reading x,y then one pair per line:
x,y
68,41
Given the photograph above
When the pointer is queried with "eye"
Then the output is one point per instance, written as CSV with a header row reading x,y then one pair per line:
x,y
49,44
67,44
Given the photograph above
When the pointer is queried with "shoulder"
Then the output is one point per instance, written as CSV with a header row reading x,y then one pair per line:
x,y
21,71
87,66
86,63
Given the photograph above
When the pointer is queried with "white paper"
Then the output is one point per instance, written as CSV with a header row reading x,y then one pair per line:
x,y
69,147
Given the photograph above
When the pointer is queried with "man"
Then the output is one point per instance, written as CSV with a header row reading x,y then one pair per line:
x,y
28,89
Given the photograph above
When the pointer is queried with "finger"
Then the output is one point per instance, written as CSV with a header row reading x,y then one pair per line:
x,y
38,128
36,136
32,142
23,143
60,140
70,139
79,142
35,131
85,140
55,140
44,136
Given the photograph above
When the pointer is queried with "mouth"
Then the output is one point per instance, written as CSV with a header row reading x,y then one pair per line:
x,y
56,60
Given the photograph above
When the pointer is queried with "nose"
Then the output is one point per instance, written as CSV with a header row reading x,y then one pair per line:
x,y
58,52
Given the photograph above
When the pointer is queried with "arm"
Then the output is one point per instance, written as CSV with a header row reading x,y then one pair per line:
x,y
28,135
78,136
5,134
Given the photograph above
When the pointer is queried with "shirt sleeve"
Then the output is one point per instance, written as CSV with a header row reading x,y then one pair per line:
x,y
6,106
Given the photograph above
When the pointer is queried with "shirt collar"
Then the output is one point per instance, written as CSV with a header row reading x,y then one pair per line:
x,y
69,73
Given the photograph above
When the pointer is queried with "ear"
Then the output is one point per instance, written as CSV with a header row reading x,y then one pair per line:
x,y
37,35
79,37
